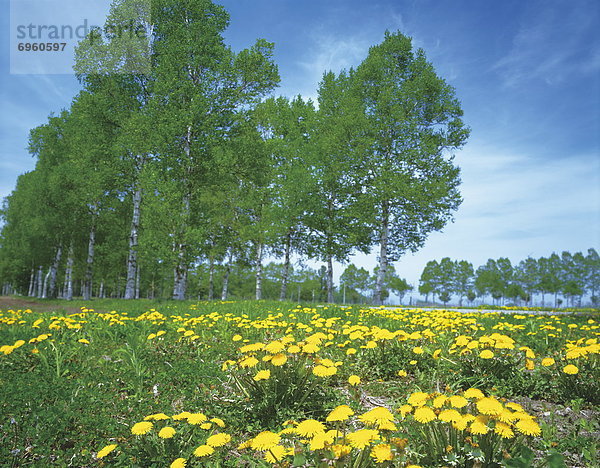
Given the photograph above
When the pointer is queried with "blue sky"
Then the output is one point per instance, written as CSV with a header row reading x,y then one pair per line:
x,y
527,74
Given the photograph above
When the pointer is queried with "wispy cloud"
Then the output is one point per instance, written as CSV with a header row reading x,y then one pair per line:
x,y
548,44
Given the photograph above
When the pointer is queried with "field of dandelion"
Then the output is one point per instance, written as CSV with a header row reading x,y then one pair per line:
x,y
136,383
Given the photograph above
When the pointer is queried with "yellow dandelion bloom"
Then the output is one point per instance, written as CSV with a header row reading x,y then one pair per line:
x,y
402,373
324,371
449,415
179,463
218,440
218,421
417,350
489,405
83,340
439,401
570,369
204,451
279,359
274,347
265,440
166,432
237,337
350,351
340,450
479,428
196,418
249,361
418,399
293,349
424,414
310,348
310,427
141,428
458,401
106,450
206,426
377,416
276,453
547,362
382,453
362,438
528,427
340,413
354,380
504,430
486,354
473,393
182,415
262,375
156,417
413,362
405,409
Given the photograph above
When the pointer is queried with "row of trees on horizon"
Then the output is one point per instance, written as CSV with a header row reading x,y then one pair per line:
x,y
150,180
571,276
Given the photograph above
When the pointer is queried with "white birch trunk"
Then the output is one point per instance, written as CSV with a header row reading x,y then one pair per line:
x,y
286,266
329,279
89,270
383,260
52,293
133,243
259,254
68,290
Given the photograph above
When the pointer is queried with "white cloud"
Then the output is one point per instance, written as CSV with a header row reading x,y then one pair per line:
x,y
514,206
548,46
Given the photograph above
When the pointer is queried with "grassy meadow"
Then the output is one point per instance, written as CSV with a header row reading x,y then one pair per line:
x,y
225,384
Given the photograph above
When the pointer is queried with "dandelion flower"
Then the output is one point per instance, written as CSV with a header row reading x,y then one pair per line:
x,y
504,430
249,361
265,440
204,451
417,350
206,426
479,428
418,399
405,409
141,428
340,450
473,393
489,405
310,427
402,373
276,453
218,421
439,401
279,359
341,413
262,375
157,417
354,380
196,418
166,432
106,450
449,415
377,416
458,401
323,371
486,354
424,414
218,440
178,463
570,369
83,340
528,427
362,438
547,362
382,453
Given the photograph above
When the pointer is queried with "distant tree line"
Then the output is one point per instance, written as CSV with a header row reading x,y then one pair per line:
x,y
183,180
571,276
